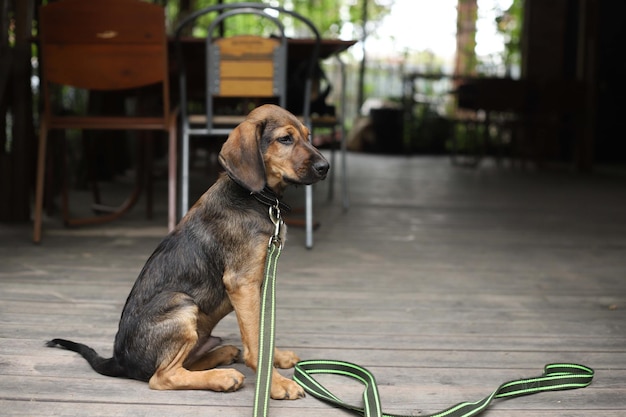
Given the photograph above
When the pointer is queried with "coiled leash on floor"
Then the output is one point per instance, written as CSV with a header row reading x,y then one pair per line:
x,y
556,376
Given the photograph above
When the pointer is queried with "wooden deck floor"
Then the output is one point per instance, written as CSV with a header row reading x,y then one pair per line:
x,y
444,282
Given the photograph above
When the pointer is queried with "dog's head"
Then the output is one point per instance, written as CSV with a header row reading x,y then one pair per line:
x,y
271,147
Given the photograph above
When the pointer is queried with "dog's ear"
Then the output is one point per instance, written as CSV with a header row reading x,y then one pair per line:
x,y
241,156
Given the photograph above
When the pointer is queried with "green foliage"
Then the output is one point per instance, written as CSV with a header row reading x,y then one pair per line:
x,y
509,24
330,16
376,10
324,13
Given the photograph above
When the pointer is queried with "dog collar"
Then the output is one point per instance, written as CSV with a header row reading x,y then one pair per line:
x,y
265,196
269,198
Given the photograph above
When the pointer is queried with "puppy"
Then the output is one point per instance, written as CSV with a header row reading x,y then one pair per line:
x,y
211,264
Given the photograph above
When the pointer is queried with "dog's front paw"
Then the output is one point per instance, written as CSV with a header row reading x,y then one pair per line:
x,y
285,359
285,389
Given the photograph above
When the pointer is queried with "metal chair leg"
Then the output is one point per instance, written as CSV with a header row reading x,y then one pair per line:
x,y
309,216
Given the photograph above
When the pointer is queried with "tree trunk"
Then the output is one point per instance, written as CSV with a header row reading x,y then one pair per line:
x,y
465,58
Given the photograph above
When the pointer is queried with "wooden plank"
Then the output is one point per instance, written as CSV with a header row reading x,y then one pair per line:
x,y
246,47
18,408
422,335
109,66
241,87
243,69
44,409
116,23
440,309
432,389
34,359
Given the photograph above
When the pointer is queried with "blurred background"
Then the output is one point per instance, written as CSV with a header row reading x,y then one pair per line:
x,y
539,82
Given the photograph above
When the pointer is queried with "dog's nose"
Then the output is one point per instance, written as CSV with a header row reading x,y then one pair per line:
x,y
321,167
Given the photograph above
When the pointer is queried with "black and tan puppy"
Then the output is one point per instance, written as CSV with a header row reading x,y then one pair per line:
x,y
211,264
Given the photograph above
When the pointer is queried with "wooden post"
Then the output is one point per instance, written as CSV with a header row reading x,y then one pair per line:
x,y
16,172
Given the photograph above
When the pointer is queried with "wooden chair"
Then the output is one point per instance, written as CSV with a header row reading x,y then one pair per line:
x,y
248,68
103,45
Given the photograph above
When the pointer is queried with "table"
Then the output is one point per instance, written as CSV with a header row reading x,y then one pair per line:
x,y
193,50
296,47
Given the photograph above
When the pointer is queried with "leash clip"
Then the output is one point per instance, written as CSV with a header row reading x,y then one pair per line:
x,y
275,217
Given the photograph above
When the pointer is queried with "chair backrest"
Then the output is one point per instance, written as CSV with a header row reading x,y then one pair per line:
x,y
247,66
103,45
244,66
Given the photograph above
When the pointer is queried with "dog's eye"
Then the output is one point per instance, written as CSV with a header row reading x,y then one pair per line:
x,y
286,140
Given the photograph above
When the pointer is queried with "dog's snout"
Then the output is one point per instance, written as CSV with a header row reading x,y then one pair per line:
x,y
321,167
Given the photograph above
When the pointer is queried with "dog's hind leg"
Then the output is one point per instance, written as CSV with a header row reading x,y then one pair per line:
x,y
182,326
174,376
223,355
207,353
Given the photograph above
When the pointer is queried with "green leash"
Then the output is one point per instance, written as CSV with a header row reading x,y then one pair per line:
x,y
556,376
265,362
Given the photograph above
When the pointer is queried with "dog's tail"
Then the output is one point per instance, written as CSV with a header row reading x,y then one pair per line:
x,y
108,367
